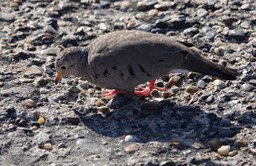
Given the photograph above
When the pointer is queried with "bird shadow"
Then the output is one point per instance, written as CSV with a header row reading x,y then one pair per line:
x,y
155,120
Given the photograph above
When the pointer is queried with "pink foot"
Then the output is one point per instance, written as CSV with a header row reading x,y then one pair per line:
x,y
146,91
112,92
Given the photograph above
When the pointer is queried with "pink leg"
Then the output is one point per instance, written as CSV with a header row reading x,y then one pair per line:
x,y
112,92
146,91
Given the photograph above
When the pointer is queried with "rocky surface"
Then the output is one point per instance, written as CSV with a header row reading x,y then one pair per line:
x,y
200,120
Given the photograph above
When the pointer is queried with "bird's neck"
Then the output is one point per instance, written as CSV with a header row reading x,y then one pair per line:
x,y
82,70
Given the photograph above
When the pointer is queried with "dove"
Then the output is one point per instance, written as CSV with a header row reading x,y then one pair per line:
x,y
122,60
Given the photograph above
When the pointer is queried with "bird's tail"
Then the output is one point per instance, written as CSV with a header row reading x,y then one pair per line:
x,y
197,63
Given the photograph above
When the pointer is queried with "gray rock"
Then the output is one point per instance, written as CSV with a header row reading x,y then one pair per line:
x,y
245,24
247,87
191,31
237,34
219,84
201,84
8,17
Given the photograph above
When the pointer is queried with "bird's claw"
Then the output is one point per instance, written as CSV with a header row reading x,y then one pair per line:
x,y
113,92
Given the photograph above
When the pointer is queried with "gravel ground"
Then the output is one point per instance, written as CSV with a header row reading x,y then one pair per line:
x,y
200,120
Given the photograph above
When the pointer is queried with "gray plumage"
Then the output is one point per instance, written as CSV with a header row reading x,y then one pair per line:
x,y
124,59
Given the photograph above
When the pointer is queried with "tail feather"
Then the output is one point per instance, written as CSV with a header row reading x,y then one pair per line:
x,y
195,62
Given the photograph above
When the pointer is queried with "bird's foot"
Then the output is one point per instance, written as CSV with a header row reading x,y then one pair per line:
x,y
112,92
146,91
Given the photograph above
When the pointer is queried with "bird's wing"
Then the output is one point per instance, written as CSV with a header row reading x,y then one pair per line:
x,y
124,59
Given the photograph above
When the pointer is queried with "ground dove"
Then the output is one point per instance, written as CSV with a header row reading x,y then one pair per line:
x,y
122,60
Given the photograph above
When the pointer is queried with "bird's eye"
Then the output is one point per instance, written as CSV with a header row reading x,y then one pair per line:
x,y
63,67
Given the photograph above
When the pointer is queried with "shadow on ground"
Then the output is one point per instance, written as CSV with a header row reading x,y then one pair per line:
x,y
155,121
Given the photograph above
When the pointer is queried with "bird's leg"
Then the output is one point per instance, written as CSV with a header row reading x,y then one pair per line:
x,y
146,91
112,92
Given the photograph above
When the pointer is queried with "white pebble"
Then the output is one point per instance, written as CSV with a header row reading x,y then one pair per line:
x,y
131,138
219,84
224,150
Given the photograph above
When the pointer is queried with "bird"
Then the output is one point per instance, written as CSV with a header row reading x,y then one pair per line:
x,y
122,60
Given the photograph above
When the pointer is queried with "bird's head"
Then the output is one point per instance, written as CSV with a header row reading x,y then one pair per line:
x,y
69,62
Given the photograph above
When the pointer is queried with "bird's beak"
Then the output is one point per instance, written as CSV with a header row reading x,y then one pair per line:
x,y
58,77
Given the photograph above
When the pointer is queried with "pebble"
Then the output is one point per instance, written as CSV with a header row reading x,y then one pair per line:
x,y
238,34
201,84
132,148
201,12
247,87
191,31
123,5
47,146
192,89
233,153
33,71
253,82
8,17
176,143
209,99
41,120
224,150
174,80
245,24
219,84
28,103
146,5
131,138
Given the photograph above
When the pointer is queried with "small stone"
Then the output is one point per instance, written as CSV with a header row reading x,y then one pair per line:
x,y
61,145
132,148
191,89
219,51
41,120
131,138
191,31
245,24
47,146
174,80
247,87
163,6
253,82
146,5
201,84
219,84
123,5
238,34
246,6
26,80
233,153
209,99
153,12
28,103
176,143
8,17
33,71
224,150
214,144
201,12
